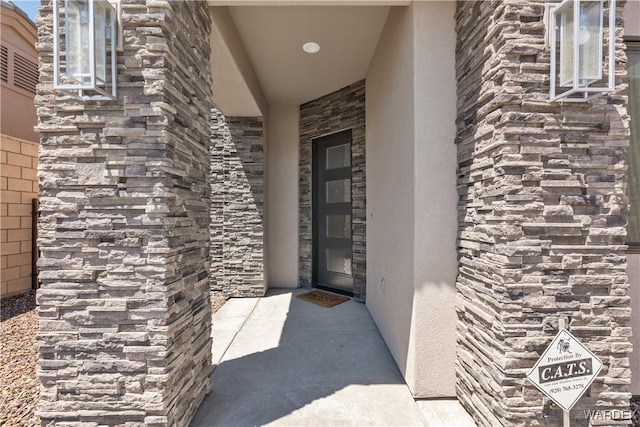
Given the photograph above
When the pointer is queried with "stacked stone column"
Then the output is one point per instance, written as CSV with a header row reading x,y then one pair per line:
x,y
542,217
124,195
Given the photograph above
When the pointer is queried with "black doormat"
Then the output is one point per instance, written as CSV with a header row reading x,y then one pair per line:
x,y
322,298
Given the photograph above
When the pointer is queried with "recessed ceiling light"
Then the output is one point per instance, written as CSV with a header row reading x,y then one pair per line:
x,y
311,47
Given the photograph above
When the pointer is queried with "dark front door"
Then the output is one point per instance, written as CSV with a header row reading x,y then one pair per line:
x,y
332,241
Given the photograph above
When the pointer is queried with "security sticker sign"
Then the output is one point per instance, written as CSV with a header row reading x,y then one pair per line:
x,y
565,370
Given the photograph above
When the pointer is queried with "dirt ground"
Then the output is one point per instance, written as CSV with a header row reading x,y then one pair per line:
x,y
19,386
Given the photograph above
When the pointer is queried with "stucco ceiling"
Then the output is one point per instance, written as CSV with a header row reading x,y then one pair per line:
x,y
273,37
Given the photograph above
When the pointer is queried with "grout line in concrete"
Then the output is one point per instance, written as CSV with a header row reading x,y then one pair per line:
x,y
215,365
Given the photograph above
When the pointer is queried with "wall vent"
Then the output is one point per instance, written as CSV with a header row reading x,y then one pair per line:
x,y
25,73
4,64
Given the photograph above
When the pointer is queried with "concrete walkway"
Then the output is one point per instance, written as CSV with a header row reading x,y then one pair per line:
x,y
286,362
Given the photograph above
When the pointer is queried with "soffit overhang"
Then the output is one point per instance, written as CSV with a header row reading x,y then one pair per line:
x,y
236,91
257,50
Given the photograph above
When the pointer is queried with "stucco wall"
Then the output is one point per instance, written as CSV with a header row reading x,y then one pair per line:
x,y
389,109
282,194
435,264
411,162
19,148
18,38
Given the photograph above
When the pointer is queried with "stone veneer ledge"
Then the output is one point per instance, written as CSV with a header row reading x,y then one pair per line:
x,y
542,215
237,207
124,309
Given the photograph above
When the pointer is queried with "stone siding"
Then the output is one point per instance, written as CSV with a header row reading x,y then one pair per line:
x,y
237,211
19,186
542,214
340,110
125,319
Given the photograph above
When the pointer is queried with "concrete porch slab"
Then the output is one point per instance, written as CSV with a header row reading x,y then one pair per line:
x,y
293,363
227,322
444,413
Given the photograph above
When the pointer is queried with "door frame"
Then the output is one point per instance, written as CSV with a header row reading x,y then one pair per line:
x,y
315,240
337,111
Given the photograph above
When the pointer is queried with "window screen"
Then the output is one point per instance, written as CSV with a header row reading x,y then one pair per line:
x,y
633,155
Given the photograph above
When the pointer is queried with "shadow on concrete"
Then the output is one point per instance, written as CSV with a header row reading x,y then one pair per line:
x,y
296,363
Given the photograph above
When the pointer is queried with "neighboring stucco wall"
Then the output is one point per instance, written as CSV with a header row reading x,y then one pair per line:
x,y
411,161
542,220
18,37
237,208
19,186
19,148
282,194
124,315
337,111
